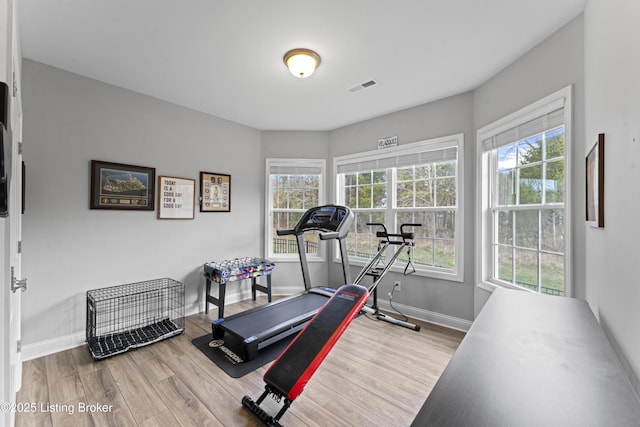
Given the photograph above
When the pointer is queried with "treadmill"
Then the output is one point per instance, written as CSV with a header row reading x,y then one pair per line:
x,y
272,322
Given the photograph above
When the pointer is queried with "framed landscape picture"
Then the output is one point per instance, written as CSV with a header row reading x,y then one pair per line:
x,y
215,192
120,186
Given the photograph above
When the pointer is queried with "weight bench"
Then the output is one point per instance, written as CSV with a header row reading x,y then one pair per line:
x,y
292,370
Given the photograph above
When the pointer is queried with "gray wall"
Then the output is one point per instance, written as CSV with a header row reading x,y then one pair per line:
x,y
448,116
69,249
554,64
296,145
612,104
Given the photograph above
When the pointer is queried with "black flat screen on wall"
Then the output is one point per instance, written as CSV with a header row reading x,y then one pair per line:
x,y
5,154
5,162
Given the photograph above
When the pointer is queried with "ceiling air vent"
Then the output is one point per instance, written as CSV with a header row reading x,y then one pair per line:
x,y
363,86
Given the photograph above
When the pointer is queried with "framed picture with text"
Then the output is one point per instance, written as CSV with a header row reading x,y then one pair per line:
x,y
215,192
176,197
120,186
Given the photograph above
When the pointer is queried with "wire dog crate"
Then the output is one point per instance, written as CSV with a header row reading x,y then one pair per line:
x,y
120,318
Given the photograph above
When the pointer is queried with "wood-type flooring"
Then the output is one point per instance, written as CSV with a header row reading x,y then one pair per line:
x,y
378,374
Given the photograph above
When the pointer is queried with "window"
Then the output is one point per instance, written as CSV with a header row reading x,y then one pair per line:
x,y
293,186
524,210
414,183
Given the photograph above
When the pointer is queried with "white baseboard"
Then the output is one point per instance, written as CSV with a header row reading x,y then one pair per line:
x,y
428,316
54,345
413,312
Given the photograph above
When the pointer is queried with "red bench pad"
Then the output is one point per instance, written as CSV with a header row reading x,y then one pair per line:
x,y
296,365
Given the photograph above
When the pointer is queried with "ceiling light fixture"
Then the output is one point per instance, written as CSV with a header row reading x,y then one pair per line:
x,y
301,62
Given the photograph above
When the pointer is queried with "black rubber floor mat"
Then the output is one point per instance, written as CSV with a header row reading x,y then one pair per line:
x,y
228,354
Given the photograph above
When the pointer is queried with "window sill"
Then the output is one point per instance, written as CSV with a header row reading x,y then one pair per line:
x,y
433,274
492,286
295,259
489,287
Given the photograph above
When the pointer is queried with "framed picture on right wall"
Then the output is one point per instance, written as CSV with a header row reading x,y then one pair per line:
x,y
595,183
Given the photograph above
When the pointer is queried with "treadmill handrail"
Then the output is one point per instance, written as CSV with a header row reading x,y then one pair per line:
x,y
329,236
333,223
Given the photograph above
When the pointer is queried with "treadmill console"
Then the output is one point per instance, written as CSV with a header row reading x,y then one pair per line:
x,y
328,218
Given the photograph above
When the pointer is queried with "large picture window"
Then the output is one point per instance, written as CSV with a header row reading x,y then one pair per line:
x,y
293,186
524,240
415,183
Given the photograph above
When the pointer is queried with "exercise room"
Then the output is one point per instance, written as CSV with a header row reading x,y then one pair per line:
x,y
337,213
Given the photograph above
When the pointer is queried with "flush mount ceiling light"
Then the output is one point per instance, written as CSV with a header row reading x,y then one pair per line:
x,y
301,62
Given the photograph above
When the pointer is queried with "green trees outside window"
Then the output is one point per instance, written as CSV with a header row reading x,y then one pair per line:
x,y
529,212
421,193
294,185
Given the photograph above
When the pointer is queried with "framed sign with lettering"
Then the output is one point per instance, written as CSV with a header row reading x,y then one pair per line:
x,y
176,198
215,192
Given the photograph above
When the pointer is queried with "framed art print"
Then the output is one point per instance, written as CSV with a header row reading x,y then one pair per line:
x,y
120,186
595,183
215,192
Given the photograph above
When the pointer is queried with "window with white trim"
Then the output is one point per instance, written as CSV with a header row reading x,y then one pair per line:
x,y
524,232
293,186
414,183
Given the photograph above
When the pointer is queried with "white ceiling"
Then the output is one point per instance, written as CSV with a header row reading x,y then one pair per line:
x,y
224,57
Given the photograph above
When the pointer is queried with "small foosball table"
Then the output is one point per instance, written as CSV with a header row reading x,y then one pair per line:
x,y
237,269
